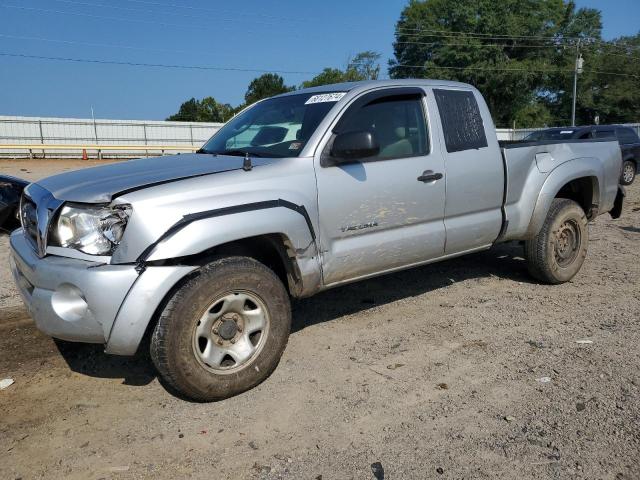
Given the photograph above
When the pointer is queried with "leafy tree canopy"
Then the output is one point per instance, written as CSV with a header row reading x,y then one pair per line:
x,y
205,110
265,86
363,66
520,54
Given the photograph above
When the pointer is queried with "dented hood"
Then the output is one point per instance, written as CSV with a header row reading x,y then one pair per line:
x,y
101,184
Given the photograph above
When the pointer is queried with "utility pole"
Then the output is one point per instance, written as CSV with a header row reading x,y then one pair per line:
x,y
577,69
95,128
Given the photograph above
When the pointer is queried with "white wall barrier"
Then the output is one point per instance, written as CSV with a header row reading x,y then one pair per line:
x,y
75,131
115,135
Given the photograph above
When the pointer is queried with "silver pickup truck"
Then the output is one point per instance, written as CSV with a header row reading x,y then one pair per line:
x,y
298,193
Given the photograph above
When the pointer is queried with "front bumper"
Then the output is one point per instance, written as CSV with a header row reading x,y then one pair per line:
x,y
68,298
83,301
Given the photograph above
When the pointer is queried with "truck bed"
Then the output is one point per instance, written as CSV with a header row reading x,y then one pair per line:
x,y
530,167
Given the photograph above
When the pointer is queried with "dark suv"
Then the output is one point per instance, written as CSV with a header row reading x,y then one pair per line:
x,y
627,138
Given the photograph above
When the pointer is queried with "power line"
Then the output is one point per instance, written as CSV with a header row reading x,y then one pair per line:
x,y
146,10
492,35
211,10
253,70
106,17
500,69
481,45
511,46
206,52
107,45
558,41
156,65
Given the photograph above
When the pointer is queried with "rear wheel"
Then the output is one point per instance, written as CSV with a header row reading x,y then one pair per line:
x,y
223,331
557,252
628,172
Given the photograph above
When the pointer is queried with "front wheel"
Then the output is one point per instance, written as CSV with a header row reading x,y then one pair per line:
x,y
628,172
223,331
557,252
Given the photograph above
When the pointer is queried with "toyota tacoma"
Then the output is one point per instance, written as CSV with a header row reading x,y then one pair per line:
x,y
298,193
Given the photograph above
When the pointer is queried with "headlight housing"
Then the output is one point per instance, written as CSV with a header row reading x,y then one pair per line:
x,y
92,230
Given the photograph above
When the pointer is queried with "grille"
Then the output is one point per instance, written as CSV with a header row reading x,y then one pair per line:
x,y
29,219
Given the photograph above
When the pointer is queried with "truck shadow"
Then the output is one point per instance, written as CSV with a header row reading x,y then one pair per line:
x,y
89,359
504,261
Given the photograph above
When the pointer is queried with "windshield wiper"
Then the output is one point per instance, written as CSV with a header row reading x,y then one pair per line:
x,y
239,153
202,150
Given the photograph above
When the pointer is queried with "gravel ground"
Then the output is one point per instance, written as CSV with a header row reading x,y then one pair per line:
x,y
463,369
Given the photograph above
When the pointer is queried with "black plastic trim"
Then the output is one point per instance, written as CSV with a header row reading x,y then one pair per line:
x,y
508,144
247,207
505,185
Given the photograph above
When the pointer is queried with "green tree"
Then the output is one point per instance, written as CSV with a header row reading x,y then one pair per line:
x,y
188,112
265,86
609,87
326,77
205,110
535,114
503,48
363,66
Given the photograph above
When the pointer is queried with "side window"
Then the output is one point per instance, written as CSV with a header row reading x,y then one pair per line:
x,y
585,135
396,122
627,136
461,120
605,134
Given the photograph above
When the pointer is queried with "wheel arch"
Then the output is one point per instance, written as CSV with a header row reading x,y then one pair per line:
x,y
280,236
578,180
275,250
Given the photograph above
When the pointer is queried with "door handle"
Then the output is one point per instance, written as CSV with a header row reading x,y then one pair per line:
x,y
429,176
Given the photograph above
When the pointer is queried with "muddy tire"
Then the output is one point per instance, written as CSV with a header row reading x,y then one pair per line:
x,y
223,331
628,172
557,252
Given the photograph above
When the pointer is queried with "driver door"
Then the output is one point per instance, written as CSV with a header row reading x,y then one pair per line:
x,y
376,214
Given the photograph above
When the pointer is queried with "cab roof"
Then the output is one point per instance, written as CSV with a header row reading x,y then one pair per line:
x,y
349,86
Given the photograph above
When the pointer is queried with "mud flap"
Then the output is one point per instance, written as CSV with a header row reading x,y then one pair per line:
x,y
616,211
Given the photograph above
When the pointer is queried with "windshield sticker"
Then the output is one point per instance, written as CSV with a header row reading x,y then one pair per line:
x,y
295,146
325,97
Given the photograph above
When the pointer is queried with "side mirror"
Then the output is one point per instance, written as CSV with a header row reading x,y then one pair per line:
x,y
350,146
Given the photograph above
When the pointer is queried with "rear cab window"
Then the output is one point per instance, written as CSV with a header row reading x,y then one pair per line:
x,y
461,120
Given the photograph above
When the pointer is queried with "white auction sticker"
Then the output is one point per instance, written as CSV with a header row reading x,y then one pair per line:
x,y
325,97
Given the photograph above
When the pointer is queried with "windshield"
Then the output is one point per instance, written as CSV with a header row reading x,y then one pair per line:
x,y
276,127
550,135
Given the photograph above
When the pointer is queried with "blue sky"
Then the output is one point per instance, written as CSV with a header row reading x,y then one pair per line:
x,y
288,35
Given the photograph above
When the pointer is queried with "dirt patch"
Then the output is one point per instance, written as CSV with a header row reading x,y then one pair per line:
x,y
462,369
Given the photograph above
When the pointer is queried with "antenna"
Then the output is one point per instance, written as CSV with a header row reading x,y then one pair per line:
x,y
246,164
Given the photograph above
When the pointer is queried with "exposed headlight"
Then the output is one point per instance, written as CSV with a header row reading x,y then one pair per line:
x,y
92,230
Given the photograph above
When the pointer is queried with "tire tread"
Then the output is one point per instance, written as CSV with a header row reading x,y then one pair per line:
x,y
536,250
160,350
